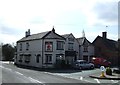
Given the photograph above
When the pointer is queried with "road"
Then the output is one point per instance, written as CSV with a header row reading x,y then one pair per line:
x,y
13,74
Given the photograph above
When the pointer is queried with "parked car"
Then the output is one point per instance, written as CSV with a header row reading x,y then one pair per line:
x,y
117,70
100,62
82,64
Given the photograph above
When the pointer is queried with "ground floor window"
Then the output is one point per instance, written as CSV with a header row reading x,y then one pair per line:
x,y
48,58
59,57
21,57
27,58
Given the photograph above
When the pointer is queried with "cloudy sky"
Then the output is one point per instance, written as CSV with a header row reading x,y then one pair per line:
x,y
67,16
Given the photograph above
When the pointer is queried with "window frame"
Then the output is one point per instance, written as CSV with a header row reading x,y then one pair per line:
x,y
51,43
61,45
27,46
70,46
48,58
85,49
20,46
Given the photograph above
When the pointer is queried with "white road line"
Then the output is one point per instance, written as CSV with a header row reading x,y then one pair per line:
x,y
114,81
6,62
81,78
87,81
18,73
8,69
97,80
34,80
1,66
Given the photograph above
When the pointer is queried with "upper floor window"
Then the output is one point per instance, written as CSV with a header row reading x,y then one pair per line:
x,y
70,46
20,46
85,49
27,46
60,45
48,46
71,39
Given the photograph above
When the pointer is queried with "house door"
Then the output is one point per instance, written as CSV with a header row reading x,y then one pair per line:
x,y
38,60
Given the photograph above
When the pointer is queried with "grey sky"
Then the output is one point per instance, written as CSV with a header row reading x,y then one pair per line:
x,y
67,16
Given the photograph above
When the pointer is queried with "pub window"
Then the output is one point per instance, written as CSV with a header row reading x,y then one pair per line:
x,y
48,58
60,45
20,46
27,58
27,46
48,46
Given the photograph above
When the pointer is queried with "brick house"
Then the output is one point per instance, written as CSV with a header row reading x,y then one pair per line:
x,y
106,48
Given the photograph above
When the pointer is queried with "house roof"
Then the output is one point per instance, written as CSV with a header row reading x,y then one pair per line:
x,y
83,41
34,36
66,35
111,44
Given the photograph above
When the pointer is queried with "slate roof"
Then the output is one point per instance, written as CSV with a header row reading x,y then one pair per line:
x,y
34,36
65,35
83,41
110,44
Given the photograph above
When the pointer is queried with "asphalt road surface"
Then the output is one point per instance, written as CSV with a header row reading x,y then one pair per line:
x,y
13,74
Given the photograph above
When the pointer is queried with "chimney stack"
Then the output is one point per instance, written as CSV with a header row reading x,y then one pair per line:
x,y
27,33
53,29
104,35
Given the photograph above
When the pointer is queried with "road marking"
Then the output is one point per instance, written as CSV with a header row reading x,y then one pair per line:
x,y
81,78
114,81
34,80
1,66
7,68
6,62
18,73
87,81
97,80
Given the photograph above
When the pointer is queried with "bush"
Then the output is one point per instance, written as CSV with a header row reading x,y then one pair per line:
x,y
61,64
108,71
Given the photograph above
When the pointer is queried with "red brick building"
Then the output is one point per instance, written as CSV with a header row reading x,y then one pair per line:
x,y
106,48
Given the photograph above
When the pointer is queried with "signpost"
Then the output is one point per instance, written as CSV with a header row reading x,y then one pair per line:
x,y
102,68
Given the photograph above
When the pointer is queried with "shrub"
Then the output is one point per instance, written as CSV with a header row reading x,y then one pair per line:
x,y
108,71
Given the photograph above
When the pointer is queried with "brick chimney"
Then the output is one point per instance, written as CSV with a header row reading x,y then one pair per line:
x,y
104,35
27,33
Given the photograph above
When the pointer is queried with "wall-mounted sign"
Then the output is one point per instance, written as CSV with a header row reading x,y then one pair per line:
x,y
48,46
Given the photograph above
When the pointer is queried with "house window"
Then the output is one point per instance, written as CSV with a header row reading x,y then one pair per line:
x,y
20,46
48,59
48,46
85,49
59,57
27,58
37,58
27,46
21,57
60,45
70,46
71,39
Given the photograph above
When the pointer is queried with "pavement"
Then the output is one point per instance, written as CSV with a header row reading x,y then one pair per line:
x,y
114,76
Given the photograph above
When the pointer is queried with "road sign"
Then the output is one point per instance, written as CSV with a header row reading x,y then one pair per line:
x,y
102,68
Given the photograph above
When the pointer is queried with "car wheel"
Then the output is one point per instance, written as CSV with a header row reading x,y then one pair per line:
x,y
80,67
91,67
